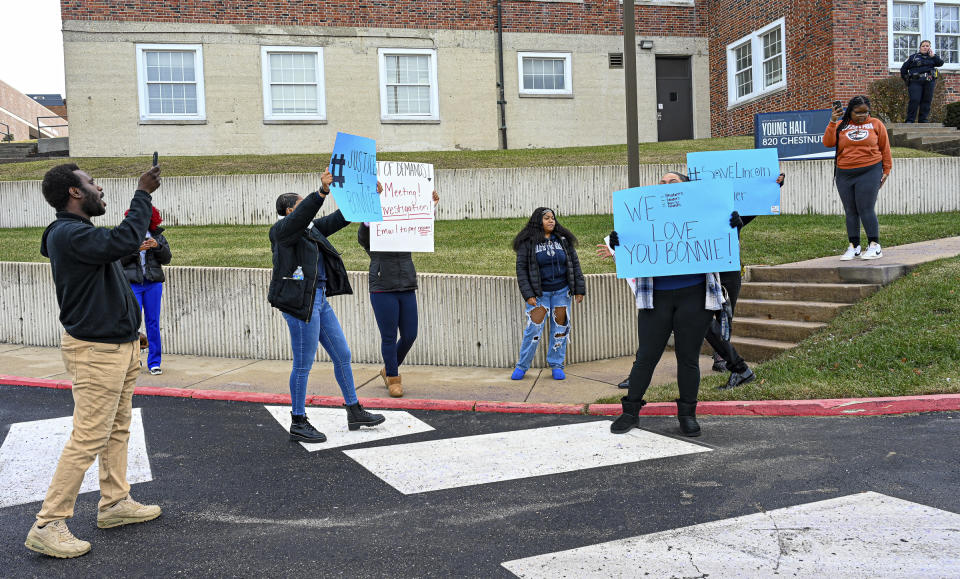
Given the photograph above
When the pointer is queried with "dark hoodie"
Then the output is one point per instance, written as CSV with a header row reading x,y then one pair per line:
x,y
96,302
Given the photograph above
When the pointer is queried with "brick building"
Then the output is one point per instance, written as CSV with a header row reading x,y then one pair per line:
x,y
211,77
19,116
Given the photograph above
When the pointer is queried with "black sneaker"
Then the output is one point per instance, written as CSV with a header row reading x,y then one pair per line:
x,y
719,364
302,431
739,379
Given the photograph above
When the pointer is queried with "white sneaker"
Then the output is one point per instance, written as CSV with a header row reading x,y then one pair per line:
x,y
156,370
850,253
872,252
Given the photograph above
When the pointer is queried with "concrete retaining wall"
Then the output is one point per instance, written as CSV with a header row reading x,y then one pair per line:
x,y
927,185
464,320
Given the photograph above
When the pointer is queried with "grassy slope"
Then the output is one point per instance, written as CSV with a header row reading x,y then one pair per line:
x,y
666,152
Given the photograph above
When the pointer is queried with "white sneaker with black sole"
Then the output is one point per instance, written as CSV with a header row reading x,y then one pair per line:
x,y
850,253
156,371
872,252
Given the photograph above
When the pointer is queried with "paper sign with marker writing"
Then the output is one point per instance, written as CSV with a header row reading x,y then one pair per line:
x,y
407,202
675,229
354,169
753,173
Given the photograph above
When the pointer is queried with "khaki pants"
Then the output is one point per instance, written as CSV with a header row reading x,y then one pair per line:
x,y
103,379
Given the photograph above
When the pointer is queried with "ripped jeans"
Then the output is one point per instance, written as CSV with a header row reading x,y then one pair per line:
x,y
558,333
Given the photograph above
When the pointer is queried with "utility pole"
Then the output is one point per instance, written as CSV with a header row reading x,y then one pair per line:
x,y
630,78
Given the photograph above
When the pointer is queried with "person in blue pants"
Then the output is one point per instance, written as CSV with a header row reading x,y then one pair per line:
x,y
548,274
144,271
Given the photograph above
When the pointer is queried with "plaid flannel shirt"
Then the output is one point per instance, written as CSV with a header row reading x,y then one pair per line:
x,y
644,292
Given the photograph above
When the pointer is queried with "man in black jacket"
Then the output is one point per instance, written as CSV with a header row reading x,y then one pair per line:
x,y
101,351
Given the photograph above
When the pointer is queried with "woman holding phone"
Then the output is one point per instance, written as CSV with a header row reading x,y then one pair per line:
x,y
863,163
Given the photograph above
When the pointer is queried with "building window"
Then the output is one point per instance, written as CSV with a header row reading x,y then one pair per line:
x,y
408,84
170,81
292,83
757,64
544,73
912,22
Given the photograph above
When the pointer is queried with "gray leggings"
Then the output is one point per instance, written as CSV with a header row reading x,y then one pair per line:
x,y
858,192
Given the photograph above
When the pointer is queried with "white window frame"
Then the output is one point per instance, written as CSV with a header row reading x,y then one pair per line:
x,y
145,114
567,73
385,116
268,115
756,54
926,29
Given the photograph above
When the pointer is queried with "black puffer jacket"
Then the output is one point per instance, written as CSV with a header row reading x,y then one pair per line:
x,y
295,243
390,271
528,271
156,258
918,65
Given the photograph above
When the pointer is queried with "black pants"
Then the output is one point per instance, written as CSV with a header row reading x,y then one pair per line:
x,y
735,363
680,311
921,95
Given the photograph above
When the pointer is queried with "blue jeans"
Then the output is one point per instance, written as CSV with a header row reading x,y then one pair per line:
x,y
558,333
323,328
149,294
395,312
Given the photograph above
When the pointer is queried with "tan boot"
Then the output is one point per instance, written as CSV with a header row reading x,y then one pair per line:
x,y
126,512
394,386
383,374
55,540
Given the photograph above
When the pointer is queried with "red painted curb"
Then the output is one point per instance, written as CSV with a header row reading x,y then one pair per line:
x,y
529,408
822,407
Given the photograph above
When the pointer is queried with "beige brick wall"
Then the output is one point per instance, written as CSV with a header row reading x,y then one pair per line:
x,y
21,112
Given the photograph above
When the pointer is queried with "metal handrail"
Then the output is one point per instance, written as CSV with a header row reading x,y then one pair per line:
x,y
7,131
39,128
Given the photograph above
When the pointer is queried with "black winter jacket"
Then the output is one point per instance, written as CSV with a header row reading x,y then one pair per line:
x,y
390,271
918,65
528,271
96,302
298,242
156,258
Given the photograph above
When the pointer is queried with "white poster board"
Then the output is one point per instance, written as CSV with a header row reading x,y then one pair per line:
x,y
407,202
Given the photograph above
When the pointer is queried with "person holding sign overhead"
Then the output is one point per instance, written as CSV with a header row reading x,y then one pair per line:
x,y
863,164
393,287
682,304
306,270
548,273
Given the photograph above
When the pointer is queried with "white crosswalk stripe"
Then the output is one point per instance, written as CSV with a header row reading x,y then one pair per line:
x,y
470,460
31,450
862,535
333,423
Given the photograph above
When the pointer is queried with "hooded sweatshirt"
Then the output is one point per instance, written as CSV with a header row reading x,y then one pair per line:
x,y
96,302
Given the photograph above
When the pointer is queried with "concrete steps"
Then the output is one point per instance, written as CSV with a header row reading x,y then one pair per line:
x,y
16,152
780,330
755,349
789,310
808,292
932,137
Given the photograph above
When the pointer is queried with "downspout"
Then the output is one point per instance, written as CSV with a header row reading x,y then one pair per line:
x,y
501,101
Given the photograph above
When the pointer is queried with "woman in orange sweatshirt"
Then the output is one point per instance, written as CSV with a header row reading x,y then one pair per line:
x,y
863,164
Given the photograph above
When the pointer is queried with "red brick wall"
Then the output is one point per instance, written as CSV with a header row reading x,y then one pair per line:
x,y
590,17
808,34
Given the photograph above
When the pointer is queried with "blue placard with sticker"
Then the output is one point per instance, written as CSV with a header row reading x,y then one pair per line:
x,y
354,169
752,172
675,229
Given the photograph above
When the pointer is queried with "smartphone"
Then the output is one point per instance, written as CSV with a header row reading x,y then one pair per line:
x,y
156,158
838,105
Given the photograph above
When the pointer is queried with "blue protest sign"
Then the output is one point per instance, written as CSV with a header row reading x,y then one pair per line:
x,y
753,173
354,169
796,135
675,229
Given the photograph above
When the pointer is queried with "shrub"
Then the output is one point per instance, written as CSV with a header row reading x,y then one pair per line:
x,y
889,99
951,114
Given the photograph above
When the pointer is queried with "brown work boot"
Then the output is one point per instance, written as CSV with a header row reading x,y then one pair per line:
x,y
395,386
126,512
56,540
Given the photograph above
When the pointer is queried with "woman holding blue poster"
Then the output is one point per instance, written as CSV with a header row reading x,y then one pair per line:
x,y
683,305
307,269
393,294
548,273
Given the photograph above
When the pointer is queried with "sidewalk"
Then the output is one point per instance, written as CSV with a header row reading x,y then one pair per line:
x,y
585,383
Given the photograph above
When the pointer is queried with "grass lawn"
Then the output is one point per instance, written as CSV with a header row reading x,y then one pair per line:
x,y
900,341
665,152
483,246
